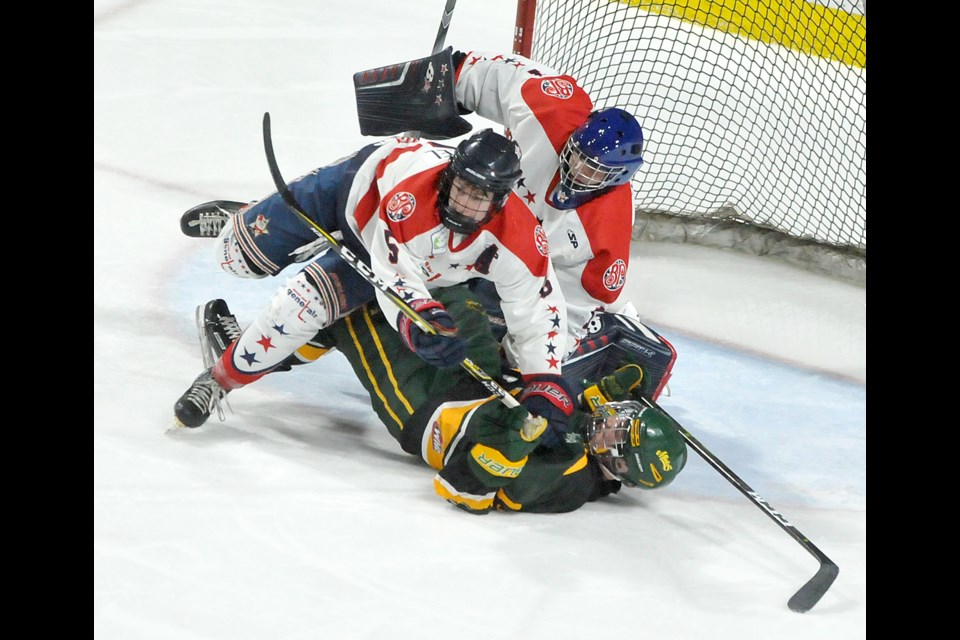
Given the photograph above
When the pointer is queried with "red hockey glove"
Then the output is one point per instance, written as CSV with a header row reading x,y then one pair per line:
x,y
551,397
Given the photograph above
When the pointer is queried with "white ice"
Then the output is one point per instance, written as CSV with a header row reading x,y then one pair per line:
x,y
299,517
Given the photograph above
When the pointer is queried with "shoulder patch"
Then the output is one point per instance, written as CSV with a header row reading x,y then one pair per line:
x,y
401,206
615,275
557,88
540,238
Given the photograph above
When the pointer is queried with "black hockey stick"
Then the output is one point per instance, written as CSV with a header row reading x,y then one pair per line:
x,y
444,25
533,424
810,593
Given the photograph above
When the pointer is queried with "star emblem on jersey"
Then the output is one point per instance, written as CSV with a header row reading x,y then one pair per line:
x,y
259,226
552,361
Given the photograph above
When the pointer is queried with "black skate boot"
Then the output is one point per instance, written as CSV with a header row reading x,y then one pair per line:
x,y
218,328
206,220
194,406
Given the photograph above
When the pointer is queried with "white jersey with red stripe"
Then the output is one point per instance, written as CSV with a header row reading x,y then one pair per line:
x,y
541,108
392,207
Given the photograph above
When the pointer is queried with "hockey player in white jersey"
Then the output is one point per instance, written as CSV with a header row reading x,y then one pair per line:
x,y
423,216
577,166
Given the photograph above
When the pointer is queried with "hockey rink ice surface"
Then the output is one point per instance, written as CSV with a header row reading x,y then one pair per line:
x,y
300,517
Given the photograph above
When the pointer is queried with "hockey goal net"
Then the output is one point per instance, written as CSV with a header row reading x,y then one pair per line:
x,y
754,113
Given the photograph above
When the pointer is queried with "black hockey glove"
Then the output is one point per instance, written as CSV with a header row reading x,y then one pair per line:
x,y
443,349
550,397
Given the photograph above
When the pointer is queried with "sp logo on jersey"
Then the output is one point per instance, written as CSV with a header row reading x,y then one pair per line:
x,y
401,206
615,275
557,88
540,239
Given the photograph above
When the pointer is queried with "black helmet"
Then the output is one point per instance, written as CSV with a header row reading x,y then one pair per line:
x,y
488,161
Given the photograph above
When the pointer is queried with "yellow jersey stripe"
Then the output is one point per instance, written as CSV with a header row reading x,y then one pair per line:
x,y
475,502
386,361
576,466
370,376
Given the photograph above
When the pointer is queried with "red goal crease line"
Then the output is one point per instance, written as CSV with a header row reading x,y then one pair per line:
x,y
802,26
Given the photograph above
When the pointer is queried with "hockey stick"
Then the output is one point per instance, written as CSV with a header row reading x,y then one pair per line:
x,y
532,425
444,25
809,594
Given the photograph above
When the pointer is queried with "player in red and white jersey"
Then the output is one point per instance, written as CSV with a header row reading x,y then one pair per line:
x,y
423,216
577,166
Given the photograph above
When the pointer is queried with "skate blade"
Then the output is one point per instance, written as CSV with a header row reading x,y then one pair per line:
x,y
175,426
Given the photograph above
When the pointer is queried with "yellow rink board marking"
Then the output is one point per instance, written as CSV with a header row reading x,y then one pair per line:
x,y
802,26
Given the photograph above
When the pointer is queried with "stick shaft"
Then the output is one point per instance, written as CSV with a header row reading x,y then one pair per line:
x,y
813,590
367,273
444,25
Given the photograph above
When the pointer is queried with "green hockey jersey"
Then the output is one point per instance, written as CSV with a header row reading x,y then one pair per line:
x,y
449,420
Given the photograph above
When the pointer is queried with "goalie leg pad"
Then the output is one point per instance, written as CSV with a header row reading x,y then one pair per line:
x,y
615,340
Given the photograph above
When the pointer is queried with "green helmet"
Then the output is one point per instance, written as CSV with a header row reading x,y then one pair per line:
x,y
636,443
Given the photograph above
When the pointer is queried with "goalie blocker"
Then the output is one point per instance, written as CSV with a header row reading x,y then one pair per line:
x,y
410,96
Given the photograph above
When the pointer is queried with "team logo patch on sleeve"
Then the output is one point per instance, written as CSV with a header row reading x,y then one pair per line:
x,y
615,275
259,226
540,238
557,88
401,206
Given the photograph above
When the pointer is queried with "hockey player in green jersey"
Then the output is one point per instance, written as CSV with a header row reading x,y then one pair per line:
x,y
482,457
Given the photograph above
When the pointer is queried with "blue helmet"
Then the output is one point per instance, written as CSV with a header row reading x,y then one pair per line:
x,y
605,151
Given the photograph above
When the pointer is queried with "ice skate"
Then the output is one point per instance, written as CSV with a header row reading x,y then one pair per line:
x,y
206,220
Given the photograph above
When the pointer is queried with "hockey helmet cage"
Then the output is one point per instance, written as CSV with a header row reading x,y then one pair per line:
x,y
605,151
636,443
